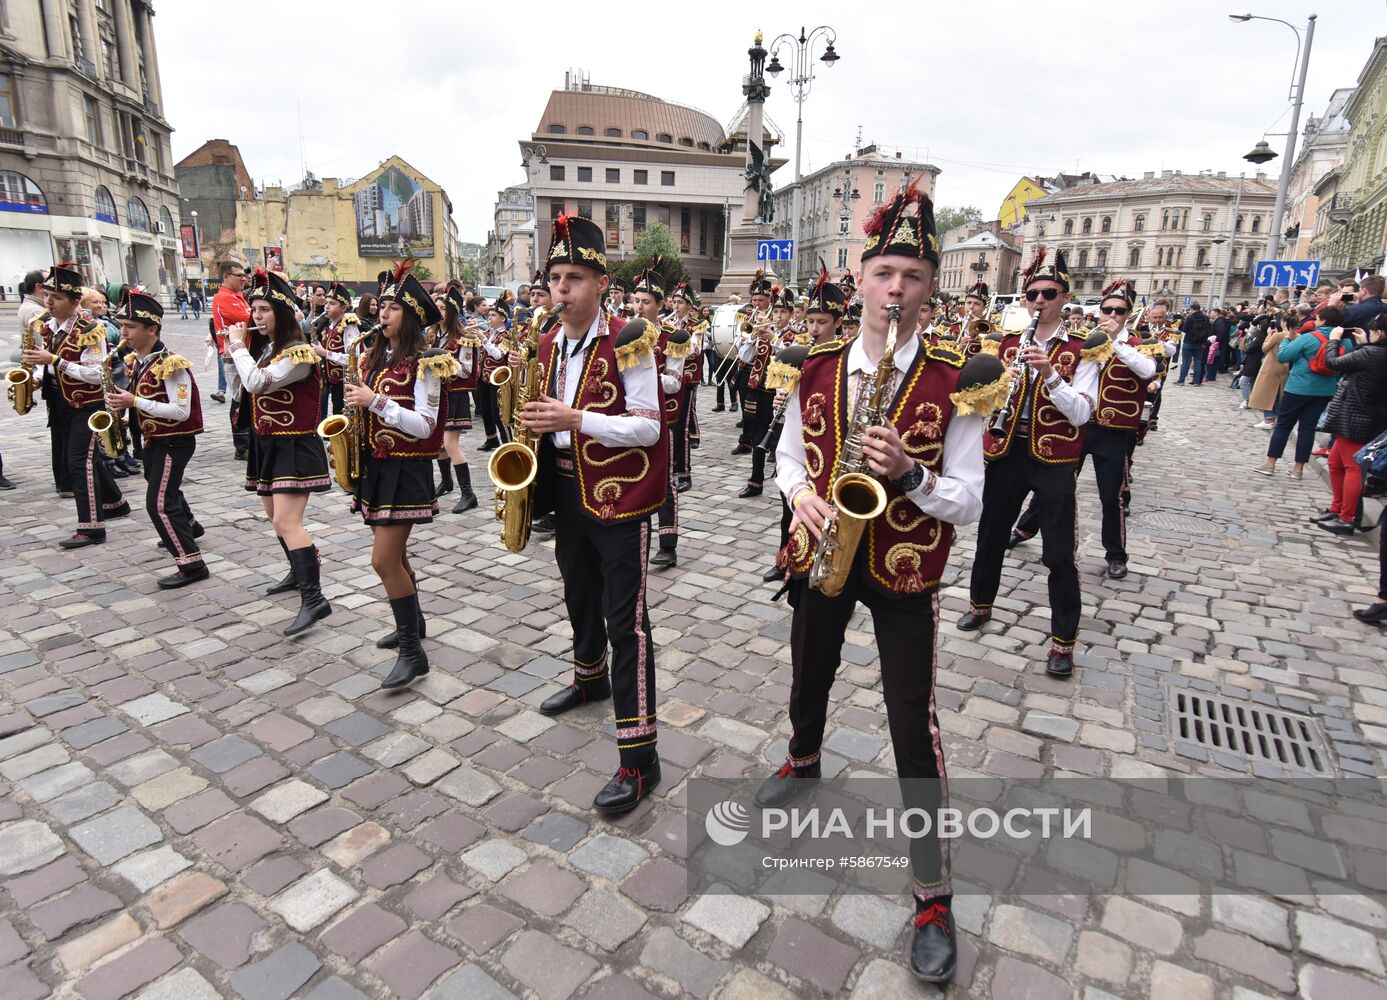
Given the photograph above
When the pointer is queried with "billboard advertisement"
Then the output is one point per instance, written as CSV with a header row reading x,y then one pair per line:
x,y
188,234
394,217
274,259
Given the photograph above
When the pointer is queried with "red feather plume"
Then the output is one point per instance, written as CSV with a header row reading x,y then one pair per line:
x,y
260,278
760,273
775,290
561,225
1115,287
400,269
821,279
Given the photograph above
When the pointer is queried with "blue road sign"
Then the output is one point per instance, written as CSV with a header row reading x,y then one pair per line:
x,y
1189,300
1285,273
775,249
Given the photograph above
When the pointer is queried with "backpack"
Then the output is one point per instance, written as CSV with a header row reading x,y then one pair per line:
x,y
1318,364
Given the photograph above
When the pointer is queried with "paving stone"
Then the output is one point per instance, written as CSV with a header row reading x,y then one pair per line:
x,y
334,988
312,899
619,987
26,845
339,770
167,789
198,810
361,841
1031,933
278,975
470,983
395,749
605,919
659,884
1253,915
116,834
469,786
12,946
609,856
1142,926
494,858
749,984
185,984
1015,980
525,726
225,934
1318,983
142,964
430,766
45,881
57,916
357,729
394,865
82,803
544,888
557,831
273,874
322,824
224,754
142,767
22,984
732,919
34,761
670,955
145,871
153,708
1102,957
1249,957
409,965
554,971
482,927
55,781
283,802
1337,942
183,897
237,841
1169,980
436,896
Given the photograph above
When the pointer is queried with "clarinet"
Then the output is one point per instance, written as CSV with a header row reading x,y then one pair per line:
x,y
998,427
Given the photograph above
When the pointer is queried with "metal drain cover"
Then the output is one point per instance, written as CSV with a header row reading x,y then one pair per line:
x,y
1254,732
1184,523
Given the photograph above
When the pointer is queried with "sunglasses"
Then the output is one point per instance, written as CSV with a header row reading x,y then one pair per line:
x,y
1110,310
1050,294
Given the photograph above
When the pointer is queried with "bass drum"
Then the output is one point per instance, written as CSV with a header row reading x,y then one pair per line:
x,y
726,325
1015,318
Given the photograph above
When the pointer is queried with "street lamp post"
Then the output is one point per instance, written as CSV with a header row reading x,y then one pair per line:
x,y
1298,96
847,194
801,55
201,267
1233,230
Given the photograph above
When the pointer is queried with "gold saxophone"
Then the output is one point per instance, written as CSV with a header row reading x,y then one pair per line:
x,y
106,424
856,495
344,432
21,380
512,467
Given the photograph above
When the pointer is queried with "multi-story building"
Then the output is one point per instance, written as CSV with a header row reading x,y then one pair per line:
x,y
211,180
349,231
626,159
836,202
85,164
1325,141
1011,214
1353,199
515,206
987,254
1173,234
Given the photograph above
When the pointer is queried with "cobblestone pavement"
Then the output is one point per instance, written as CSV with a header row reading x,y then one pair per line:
x,y
193,805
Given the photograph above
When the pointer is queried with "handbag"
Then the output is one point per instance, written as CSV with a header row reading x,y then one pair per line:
x,y
1372,459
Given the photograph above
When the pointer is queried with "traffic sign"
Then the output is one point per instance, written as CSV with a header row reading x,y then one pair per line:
x,y
775,249
1285,273
1189,300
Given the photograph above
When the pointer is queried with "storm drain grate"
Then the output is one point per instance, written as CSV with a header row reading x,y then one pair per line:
x,y
1251,731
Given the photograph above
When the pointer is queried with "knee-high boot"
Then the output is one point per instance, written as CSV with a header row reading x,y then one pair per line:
x,y
445,478
392,640
467,499
411,662
314,606
290,582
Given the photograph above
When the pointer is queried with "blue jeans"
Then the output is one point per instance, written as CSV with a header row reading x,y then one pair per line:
x,y
1195,355
221,374
183,309
1301,412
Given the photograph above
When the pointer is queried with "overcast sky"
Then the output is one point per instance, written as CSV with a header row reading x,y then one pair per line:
x,y
980,89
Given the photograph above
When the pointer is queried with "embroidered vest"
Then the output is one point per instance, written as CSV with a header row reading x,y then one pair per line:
x,y
614,484
669,401
335,340
904,551
756,378
693,364
290,410
462,347
1121,395
490,364
1054,440
78,394
151,385
396,381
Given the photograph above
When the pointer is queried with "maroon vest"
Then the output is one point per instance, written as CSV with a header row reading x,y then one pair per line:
x,y
490,364
1054,440
78,394
614,484
290,410
151,385
1121,394
335,340
669,402
396,381
693,364
905,549
765,351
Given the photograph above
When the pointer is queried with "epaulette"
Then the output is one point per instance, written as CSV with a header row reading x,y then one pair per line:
x,y
701,326
169,364
991,345
1154,349
440,362
983,386
947,353
784,371
299,354
679,344
828,347
466,341
1097,347
351,319
635,341
89,337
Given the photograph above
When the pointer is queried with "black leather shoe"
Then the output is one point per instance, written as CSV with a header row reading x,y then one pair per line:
x,y
773,575
80,541
118,471
749,491
1324,515
628,786
466,501
575,695
787,784
719,409
314,606
1017,538
741,449
219,397
1374,615
490,444
1116,569
933,949
410,663
972,621
290,582
1337,527
742,422
182,578
683,485
115,515
545,525
1059,664
5,484
664,559
198,530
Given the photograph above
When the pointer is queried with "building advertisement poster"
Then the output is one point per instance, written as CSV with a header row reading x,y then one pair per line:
x,y
274,259
188,234
394,217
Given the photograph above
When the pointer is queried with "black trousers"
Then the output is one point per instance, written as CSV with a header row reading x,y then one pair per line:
x,y
239,415
1112,452
668,517
489,407
331,391
679,435
693,438
57,439
165,461
905,627
603,567
1009,479
758,409
98,497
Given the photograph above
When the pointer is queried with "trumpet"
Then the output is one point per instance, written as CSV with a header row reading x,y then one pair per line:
x,y
972,331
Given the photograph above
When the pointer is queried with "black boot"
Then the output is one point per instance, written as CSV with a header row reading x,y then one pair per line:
x,y
626,789
314,606
445,478
934,949
576,694
290,582
973,620
392,639
788,783
410,663
466,498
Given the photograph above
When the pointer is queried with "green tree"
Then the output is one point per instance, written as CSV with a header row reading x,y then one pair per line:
x,y
470,277
421,271
656,239
947,217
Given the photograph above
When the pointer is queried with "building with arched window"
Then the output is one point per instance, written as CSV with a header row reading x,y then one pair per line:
x,y
82,138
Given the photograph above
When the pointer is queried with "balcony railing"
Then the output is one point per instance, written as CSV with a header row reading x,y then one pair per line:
x,y
11,137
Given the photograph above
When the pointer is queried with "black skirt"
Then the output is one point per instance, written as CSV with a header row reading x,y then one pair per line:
x,y
459,416
396,491
287,464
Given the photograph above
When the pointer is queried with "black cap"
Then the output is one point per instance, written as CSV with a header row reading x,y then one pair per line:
x,y
405,289
64,277
1045,267
341,293
761,285
904,226
979,291
650,280
825,296
577,241
141,307
272,287
683,291
1121,288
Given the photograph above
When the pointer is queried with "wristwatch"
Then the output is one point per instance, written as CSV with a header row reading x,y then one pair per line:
x,y
912,479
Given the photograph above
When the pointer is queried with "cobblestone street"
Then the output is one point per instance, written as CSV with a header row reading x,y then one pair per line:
x,y
192,805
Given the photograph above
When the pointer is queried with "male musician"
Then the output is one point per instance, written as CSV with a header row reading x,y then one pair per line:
x,y
340,330
929,309
648,298
1036,449
164,398
758,399
1159,327
74,359
852,322
745,344
539,292
927,456
975,302
229,308
602,471
685,301
494,353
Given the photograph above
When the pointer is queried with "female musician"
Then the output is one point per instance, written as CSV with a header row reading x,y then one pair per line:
x,y
451,336
287,461
494,353
401,384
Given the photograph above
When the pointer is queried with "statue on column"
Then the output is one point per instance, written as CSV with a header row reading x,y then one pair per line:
x,y
758,175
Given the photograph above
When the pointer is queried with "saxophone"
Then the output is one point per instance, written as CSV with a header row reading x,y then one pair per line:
x,y
856,495
21,380
344,432
106,424
512,466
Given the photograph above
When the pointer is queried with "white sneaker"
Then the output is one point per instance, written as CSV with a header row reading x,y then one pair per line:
x,y
1242,405
1264,425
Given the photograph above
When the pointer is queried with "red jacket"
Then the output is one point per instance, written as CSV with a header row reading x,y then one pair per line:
x,y
228,309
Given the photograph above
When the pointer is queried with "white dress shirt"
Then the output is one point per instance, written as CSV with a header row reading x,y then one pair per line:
x,y
491,343
88,368
1075,400
285,371
349,333
639,426
418,422
178,386
954,496
1143,366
